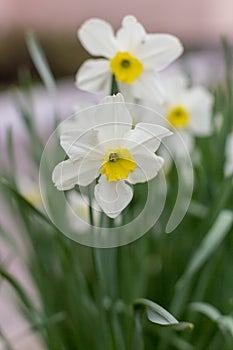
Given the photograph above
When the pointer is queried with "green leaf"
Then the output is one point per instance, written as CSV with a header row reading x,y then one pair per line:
x,y
23,296
5,341
41,63
208,245
181,344
24,201
210,311
9,240
225,322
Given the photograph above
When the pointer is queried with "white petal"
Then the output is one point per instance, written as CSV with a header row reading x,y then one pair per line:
x,y
159,50
94,76
78,143
199,103
88,169
145,135
65,175
97,37
148,165
112,196
141,114
130,35
174,85
181,144
80,120
81,172
112,118
148,88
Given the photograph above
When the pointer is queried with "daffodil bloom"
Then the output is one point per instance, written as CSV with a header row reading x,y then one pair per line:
x,y
187,109
132,55
229,155
111,152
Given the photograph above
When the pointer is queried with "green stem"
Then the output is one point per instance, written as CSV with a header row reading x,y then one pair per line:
x,y
100,259
91,217
114,86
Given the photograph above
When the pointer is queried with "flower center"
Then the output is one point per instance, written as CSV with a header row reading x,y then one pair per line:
x,y
117,164
178,117
126,67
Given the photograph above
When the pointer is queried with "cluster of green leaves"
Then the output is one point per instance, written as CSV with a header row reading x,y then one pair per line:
x,y
89,298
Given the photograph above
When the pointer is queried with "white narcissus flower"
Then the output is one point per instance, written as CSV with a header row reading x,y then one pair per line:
x,y
132,55
112,152
229,155
187,109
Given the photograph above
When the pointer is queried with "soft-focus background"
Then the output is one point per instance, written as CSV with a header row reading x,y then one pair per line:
x,y
199,24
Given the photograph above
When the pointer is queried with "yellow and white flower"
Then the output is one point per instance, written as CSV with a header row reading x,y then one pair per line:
x,y
187,109
229,155
132,55
111,151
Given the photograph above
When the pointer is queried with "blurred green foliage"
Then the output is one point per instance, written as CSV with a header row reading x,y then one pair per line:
x,y
101,299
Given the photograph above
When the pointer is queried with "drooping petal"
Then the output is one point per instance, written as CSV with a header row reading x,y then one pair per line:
x,y
199,104
112,196
159,50
148,165
94,76
65,175
130,35
97,37
112,118
145,135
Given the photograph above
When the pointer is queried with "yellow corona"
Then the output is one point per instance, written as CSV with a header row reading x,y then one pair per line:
x,y
117,164
126,67
178,117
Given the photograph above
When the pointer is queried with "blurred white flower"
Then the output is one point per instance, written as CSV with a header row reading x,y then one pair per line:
x,y
229,155
188,109
132,55
30,190
79,203
110,151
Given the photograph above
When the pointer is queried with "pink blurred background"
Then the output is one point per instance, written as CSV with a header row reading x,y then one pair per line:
x,y
200,21
197,23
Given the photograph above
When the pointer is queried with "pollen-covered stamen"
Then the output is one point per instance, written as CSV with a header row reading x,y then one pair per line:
x,y
178,117
113,157
125,63
117,164
126,67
